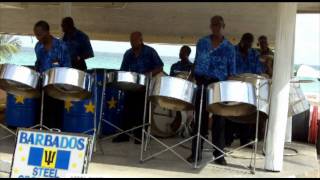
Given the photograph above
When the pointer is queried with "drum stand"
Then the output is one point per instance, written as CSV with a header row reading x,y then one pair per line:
x,y
255,141
113,125
146,136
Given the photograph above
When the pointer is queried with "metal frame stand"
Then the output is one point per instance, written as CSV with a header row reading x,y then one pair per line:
x,y
255,141
146,137
102,120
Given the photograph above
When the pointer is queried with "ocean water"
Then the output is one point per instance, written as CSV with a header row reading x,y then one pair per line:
x,y
113,61
101,60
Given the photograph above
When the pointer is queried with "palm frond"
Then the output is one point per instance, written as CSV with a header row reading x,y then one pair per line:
x,y
9,45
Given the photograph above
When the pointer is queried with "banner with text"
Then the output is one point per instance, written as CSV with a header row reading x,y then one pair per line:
x,y
46,154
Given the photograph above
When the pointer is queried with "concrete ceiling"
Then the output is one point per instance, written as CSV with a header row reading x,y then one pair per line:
x,y
168,22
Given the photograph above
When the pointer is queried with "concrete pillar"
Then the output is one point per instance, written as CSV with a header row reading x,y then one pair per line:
x,y
288,138
66,8
283,66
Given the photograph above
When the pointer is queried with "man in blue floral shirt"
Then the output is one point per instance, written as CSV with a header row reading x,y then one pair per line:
x,y
50,52
141,59
214,61
247,58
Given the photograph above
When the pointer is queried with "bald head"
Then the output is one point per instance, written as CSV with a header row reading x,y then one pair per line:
x,y
136,39
217,25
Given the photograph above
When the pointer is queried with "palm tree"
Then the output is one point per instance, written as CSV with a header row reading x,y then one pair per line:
x,y
9,45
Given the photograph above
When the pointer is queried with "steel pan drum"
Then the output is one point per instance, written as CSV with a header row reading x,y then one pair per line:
x,y
172,93
297,101
67,84
231,98
124,80
19,80
264,93
264,89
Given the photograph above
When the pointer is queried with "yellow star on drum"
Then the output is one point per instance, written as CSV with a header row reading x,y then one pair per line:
x,y
112,103
89,107
19,99
68,105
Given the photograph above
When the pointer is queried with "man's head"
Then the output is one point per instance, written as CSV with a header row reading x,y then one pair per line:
x,y
246,41
67,24
217,25
136,39
184,52
42,31
263,42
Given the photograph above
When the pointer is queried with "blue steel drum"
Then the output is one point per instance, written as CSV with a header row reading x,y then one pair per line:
x,y
22,111
79,115
113,110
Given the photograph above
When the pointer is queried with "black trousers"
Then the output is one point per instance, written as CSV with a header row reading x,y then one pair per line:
x,y
133,111
218,124
52,112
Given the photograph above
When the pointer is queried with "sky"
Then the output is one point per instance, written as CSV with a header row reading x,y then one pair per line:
x,y
307,42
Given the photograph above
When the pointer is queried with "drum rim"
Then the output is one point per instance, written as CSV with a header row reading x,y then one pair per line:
x,y
33,88
211,85
33,72
194,85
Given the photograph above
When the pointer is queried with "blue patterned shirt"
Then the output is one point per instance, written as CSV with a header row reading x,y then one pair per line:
x,y
249,64
58,53
147,60
216,63
179,66
78,44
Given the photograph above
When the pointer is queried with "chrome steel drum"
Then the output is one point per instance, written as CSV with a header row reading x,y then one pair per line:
x,y
19,80
172,93
67,83
264,89
264,94
297,101
124,80
231,98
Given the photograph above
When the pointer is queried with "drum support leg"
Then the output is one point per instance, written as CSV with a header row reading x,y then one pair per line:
x,y
149,128
101,110
41,125
144,117
95,125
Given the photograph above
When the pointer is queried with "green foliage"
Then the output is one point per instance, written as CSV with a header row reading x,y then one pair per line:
x,y
9,45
